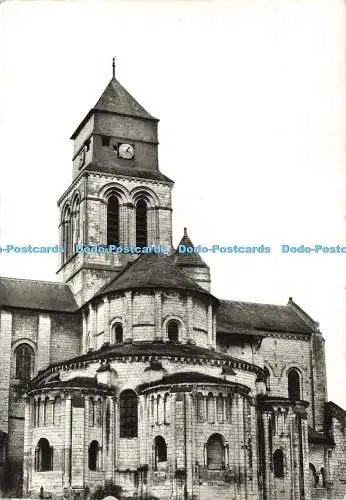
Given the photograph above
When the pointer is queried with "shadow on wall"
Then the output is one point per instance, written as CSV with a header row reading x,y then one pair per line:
x,y
10,480
113,492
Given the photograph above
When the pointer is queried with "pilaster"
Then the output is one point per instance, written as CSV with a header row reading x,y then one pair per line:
x,y
158,315
43,341
68,441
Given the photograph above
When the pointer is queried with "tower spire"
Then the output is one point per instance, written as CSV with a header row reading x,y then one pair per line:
x,y
113,67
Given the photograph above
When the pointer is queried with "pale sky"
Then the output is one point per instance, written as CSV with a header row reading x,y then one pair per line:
x,y
251,100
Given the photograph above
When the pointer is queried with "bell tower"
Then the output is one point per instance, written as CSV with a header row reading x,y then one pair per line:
x,y
118,196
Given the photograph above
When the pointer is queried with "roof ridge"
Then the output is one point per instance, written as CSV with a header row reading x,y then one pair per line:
x,y
254,303
29,279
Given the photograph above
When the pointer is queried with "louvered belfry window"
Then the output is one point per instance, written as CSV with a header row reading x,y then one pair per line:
x,y
141,224
113,221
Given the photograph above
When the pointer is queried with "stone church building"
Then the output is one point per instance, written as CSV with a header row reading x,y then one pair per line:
x,y
129,376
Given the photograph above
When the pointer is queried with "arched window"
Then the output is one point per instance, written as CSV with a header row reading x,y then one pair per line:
x,y
43,456
141,224
313,476
278,463
173,330
160,451
75,222
210,409
67,233
200,407
113,221
215,452
128,414
293,382
118,333
219,408
93,455
24,357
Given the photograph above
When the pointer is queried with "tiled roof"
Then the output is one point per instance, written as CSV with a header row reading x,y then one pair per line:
x,y
116,99
153,271
78,382
263,317
160,349
39,295
188,259
187,378
132,171
319,438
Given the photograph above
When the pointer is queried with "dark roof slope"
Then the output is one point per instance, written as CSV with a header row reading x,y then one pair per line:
x,y
263,317
32,294
153,271
319,438
132,171
189,378
116,99
188,259
160,349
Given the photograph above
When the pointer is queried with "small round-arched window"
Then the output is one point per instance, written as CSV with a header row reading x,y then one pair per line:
x,y
293,382
173,330
118,333
215,452
160,450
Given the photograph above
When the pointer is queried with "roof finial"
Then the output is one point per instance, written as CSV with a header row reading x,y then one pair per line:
x,y
185,231
113,66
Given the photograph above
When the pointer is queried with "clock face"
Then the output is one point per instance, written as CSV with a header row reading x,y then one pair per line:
x,y
126,151
82,157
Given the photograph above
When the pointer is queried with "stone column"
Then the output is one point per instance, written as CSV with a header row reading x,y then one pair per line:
x,y
158,316
131,224
189,330
152,226
128,333
85,333
86,439
68,441
124,224
92,326
106,319
188,445
43,341
116,433
27,447
254,448
235,437
295,453
103,223
210,325
305,452
267,457
5,361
